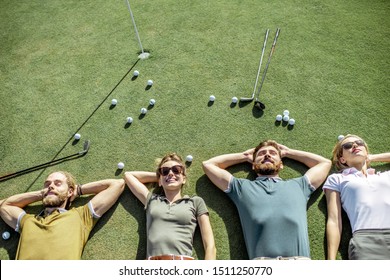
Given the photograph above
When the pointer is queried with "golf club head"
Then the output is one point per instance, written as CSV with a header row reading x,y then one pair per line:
x,y
259,105
246,99
87,143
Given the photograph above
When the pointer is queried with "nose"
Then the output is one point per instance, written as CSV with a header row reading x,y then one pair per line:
x,y
354,145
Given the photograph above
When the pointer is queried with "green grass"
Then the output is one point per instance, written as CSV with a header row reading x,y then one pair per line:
x,y
59,60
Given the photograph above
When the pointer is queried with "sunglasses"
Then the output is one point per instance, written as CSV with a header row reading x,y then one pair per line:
x,y
176,169
348,145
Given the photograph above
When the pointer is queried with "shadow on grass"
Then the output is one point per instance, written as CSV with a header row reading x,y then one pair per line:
x,y
218,201
136,209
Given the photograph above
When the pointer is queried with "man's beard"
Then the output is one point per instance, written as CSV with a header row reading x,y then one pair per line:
x,y
54,200
267,169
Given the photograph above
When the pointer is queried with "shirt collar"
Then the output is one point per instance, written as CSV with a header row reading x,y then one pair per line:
x,y
185,197
47,212
266,178
353,170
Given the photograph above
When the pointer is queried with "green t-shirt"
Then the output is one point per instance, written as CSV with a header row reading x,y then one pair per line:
x,y
61,235
273,215
171,226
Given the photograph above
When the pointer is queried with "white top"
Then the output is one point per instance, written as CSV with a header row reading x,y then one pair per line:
x,y
366,200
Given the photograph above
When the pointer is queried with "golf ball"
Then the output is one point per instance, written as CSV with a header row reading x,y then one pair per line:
x,y
129,120
136,73
279,118
212,98
340,137
121,165
291,122
151,102
286,118
286,113
77,136
143,111
6,235
189,158
150,82
114,101
234,100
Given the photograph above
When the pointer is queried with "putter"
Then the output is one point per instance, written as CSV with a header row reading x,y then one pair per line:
x,y
49,163
258,104
247,99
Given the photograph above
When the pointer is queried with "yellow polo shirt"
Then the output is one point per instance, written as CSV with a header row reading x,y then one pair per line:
x,y
60,235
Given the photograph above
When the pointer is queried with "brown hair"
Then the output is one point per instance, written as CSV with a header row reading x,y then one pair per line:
x,y
265,144
337,152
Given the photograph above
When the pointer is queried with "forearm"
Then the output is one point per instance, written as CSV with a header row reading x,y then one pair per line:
x,y
98,186
23,199
12,207
210,253
207,237
333,235
227,160
307,158
384,157
142,176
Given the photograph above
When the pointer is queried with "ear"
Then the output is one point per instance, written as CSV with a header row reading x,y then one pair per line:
x,y
281,165
184,179
342,160
72,192
160,181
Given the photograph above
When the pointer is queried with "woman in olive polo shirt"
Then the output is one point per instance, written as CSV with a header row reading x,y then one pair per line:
x,y
171,217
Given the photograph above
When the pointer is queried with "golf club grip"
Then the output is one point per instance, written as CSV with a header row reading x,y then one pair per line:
x,y
274,43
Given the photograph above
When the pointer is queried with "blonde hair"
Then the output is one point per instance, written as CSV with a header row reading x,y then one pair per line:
x,y
337,152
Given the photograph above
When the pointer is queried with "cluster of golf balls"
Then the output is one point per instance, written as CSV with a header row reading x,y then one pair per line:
x,y
143,110
285,118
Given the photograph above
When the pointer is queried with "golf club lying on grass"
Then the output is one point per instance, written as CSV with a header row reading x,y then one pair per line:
x,y
49,163
258,103
247,99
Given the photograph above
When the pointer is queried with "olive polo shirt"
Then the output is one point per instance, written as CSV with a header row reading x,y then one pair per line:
x,y
171,226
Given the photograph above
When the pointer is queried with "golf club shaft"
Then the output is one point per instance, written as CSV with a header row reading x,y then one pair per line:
x,y
268,62
261,61
258,70
79,154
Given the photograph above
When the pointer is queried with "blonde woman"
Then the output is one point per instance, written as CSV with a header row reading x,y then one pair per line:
x,y
171,217
365,197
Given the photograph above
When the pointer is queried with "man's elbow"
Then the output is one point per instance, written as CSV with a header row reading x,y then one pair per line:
x,y
119,185
205,165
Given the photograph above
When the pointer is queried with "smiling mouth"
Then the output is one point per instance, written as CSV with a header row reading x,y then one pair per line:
x,y
170,180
